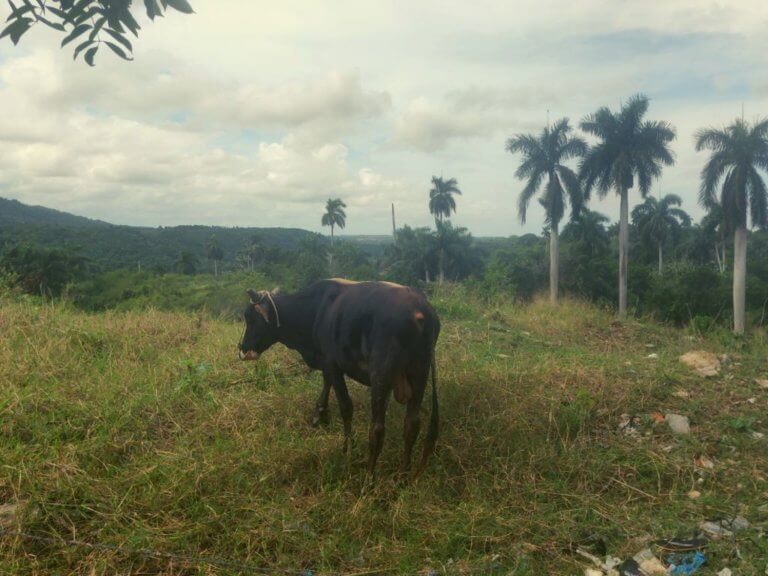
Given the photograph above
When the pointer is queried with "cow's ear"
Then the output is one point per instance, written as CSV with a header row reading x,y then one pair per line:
x,y
253,295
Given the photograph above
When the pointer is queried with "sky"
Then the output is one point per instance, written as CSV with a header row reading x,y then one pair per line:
x,y
254,114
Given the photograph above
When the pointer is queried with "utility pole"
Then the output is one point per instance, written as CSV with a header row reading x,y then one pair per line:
x,y
394,228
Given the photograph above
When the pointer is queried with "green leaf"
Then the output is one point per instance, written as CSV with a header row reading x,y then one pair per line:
x,y
117,50
77,31
120,38
89,55
130,22
55,25
180,5
18,12
99,25
60,13
82,47
153,9
16,29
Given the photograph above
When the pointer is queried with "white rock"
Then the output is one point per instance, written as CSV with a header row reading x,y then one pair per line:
x,y
703,363
678,424
725,572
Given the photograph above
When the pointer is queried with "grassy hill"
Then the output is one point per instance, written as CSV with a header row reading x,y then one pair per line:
x,y
111,247
140,430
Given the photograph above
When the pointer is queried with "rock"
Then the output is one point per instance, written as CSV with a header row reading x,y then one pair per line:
x,y
694,494
725,572
8,514
592,572
702,362
758,435
737,524
762,382
678,424
715,530
652,356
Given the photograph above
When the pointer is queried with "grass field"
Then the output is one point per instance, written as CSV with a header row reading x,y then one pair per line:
x,y
141,430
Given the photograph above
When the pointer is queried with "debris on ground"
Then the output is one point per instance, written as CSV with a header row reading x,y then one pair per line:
x,y
680,393
694,494
702,362
678,424
762,382
705,462
630,425
758,435
652,356
685,564
725,572
648,562
681,544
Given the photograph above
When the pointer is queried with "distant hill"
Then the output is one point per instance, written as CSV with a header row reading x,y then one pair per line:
x,y
109,246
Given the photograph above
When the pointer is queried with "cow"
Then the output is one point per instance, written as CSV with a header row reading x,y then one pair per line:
x,y
380,334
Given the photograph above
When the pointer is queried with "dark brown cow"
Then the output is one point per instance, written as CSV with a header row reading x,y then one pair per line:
x,y
381,334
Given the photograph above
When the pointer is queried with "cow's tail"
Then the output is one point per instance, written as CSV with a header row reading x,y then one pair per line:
x,y
434,416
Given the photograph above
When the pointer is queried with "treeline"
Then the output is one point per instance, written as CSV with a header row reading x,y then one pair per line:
x,y
694,285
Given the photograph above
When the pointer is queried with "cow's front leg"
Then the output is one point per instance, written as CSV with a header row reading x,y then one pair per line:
x,y
320,415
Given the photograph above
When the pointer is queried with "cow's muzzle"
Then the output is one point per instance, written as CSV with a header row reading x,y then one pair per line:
x,y
250,355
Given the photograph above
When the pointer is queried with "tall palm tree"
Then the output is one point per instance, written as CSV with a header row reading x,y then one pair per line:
x,y
660,220
214,253
441,201
543,157
334,216
739,153
630,151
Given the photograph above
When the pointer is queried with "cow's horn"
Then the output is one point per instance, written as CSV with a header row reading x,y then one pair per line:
x,y
253,295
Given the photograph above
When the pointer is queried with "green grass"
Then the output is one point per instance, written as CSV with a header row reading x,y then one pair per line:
x,y
141,429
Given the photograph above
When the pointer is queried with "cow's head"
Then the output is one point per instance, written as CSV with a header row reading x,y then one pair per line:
x,y
260,332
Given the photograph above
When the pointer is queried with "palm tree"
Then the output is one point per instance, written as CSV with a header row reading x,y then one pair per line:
x,y
450,242
739,152
214,253
660,220
334,216
629,151
441,201
543,156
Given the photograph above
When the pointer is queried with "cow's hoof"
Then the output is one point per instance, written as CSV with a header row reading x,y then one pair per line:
x,y
320,418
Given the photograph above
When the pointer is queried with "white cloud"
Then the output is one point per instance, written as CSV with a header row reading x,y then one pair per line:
x,y
248,113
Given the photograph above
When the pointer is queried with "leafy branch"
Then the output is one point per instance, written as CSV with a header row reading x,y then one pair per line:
x,y
100,22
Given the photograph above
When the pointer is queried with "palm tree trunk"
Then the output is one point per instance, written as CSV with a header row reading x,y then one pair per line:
x,y
554,264
330,256
623,251
739,277
441,261
215,268
661,261
426,273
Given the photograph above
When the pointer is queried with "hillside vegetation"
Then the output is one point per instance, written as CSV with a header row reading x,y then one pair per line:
x,y
140,430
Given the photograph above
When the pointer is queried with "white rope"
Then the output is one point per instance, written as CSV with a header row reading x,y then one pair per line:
x,y
274,306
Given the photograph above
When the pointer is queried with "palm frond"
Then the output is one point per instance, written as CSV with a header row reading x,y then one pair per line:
x,y
528,192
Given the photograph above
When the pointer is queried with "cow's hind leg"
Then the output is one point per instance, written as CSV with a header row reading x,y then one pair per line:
x,y
336,377
412,422
320,415
379,397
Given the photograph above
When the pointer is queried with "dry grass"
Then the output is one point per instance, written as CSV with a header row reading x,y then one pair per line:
x,y
140,429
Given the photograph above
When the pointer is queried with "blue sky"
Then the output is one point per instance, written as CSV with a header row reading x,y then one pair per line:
x,y
247,114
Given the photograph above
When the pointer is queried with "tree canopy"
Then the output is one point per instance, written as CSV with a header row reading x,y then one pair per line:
x,y
87,24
